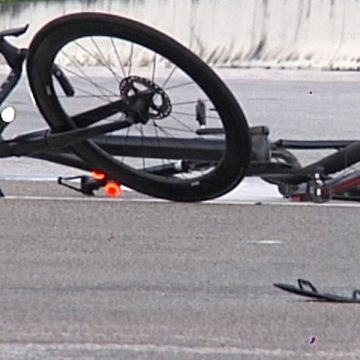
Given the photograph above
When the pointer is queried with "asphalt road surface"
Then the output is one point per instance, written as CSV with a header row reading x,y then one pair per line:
x,y
136,278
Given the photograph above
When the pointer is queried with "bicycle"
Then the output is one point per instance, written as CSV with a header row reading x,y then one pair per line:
x,y
133,123
136,124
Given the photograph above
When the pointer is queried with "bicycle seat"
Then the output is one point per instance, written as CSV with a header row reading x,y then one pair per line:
x,y
14,32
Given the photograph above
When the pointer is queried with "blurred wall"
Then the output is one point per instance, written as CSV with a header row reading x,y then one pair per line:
x,y
240,33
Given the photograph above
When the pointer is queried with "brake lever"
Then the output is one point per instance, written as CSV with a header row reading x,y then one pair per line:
x,y
63,81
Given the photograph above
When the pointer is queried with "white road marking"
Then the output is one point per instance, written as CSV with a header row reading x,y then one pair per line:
x,y
265,242
334,204
78,199
43,349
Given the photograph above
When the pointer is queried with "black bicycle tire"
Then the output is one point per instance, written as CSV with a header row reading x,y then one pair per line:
x,y
232,167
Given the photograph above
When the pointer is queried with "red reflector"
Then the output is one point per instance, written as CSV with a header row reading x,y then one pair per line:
x,y
98,176
112,189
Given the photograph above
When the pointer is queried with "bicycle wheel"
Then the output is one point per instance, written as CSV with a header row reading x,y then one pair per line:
x,y
155,93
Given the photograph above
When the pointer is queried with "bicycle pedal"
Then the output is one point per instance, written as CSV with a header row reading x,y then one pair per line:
x,y
86,186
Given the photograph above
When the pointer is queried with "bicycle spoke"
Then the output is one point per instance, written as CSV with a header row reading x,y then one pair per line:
x,y
179,85
105,62
118,57
139,127
189,102
163,85
188,131
157,136
179,145
153,69
84,76
131,58
193,115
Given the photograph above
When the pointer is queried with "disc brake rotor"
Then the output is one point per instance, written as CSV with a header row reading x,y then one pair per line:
x,y
158,104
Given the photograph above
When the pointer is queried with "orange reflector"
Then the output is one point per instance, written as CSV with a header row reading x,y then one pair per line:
x,y
98,176
113,189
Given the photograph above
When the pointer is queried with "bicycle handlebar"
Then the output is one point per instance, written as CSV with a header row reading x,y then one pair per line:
x,y
15,58
14,32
